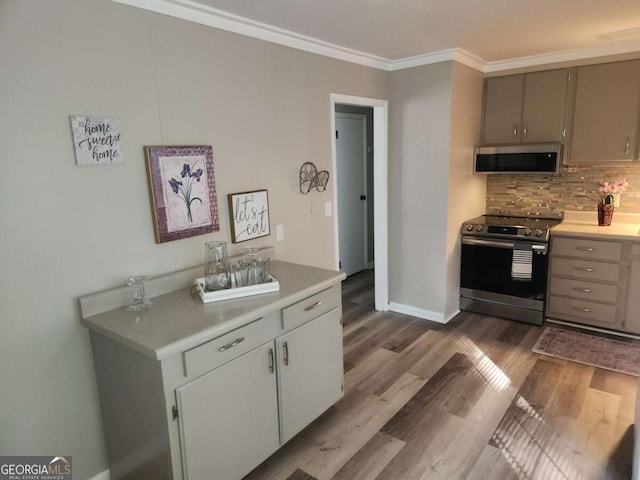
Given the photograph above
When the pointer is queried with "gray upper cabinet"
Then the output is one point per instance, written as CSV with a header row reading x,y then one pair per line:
x,y
525,108
606,113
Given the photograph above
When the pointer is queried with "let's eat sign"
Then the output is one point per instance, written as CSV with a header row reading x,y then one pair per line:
x,y
249,215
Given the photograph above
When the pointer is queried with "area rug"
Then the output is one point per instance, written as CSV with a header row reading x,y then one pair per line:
x,y
591,350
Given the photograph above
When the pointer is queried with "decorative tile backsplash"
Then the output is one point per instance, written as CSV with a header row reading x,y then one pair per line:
x,y
567,191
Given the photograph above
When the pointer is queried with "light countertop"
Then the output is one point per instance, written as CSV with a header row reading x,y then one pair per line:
x,y
177,321
624,226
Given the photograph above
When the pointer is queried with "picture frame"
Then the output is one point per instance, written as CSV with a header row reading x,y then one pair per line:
x,y
183,191
249,215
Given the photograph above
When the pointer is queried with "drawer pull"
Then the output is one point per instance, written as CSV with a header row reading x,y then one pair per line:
x,y
285,350
584,269
585,290
271,361
586,249
315,305
581,309
231,345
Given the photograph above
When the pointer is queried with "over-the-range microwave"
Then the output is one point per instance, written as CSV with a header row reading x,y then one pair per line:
x,y
524,158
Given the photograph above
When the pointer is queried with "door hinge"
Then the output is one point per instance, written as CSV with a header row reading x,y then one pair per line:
x,y
336,134
174,412
341,320
342,387
339,264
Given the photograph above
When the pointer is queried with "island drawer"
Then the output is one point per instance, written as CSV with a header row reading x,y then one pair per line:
x,y
301,312
597,292
585,269
587,248
220,350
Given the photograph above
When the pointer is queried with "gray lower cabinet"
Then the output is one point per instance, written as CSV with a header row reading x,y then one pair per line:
x,y
632,312
310,371
218,409
229,417
595,281
586,281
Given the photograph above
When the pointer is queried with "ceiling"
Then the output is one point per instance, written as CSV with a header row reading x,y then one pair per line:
x,y
400,32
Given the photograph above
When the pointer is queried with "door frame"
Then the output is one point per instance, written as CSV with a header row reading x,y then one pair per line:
x,y
380,189
365,247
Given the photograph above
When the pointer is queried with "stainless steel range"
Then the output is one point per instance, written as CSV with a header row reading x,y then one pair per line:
x,y
504,265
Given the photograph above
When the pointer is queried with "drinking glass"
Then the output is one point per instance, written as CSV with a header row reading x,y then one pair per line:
x,y
216,266
262,269
139,301
240,271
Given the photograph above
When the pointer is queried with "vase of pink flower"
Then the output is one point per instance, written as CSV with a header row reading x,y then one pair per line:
x,y
608,198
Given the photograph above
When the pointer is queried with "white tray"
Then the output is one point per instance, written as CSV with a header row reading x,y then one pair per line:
x,y
237,292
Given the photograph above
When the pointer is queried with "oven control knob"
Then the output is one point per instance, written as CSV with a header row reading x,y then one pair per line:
x,y
527,232
469,227
479,228
538,232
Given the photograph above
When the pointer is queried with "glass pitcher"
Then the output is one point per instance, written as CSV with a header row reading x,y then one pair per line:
x,y
217,275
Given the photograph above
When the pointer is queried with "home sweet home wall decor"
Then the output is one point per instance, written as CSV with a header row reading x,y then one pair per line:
x,y
96,140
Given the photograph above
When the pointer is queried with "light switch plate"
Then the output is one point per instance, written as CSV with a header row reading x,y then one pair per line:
x,y
327,209
279,232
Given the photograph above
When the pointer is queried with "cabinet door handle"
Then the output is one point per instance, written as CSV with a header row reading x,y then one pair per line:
x,y
524,130
515,131
628,144
315,305
584,269
285,351
231,345
271,361
585,290
586,249
581,309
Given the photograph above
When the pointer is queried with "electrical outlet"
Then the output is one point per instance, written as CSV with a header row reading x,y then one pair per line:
x,y
327,209
279,232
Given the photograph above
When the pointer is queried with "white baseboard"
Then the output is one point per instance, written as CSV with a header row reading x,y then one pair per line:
x,y
450,317
418,312
104,475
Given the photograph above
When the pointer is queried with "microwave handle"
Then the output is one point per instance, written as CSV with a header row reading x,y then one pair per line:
x,y
536,247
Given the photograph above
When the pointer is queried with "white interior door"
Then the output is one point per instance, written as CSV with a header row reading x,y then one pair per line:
x,y
351,153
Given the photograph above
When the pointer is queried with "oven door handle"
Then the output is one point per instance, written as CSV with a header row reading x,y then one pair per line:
x,y
536,247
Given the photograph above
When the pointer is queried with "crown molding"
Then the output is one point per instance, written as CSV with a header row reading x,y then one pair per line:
x,y
204,15
565,56
195,12
456,54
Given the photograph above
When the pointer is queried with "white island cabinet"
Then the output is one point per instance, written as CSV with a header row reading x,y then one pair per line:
x,y
208,391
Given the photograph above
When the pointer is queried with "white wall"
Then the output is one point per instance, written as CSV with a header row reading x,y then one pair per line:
x,y
466,191
434,122
68,230
418,169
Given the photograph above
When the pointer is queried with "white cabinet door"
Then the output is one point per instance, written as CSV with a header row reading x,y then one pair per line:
x,y
229,417
310,371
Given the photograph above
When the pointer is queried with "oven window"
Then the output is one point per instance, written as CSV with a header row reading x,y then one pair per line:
x,y
489,269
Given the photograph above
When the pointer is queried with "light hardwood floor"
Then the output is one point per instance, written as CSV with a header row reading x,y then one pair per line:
x,y
464,400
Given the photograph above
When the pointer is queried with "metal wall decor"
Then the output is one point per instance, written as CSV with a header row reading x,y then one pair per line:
x,y
311,178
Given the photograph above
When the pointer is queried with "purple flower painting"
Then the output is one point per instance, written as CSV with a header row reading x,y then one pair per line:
x,y
183,191
183,188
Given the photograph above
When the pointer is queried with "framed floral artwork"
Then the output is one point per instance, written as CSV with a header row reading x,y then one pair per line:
x,y
183,191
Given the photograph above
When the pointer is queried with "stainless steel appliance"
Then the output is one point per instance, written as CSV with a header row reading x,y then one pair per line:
x,y
504,265
521,158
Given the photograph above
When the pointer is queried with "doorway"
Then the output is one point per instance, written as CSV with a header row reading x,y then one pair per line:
x,y
379,174
352,156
